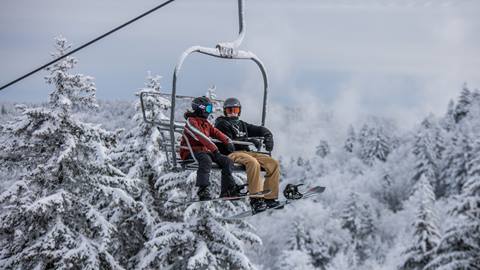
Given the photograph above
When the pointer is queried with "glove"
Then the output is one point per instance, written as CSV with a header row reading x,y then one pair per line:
x,y
257,143
230,147
268,141
216,155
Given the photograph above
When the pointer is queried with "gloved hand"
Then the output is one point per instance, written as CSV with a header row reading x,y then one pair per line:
x,y
257,143
268,141
230,147
216,154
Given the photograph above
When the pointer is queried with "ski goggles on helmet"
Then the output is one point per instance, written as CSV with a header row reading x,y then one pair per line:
x,y
232,110
209,108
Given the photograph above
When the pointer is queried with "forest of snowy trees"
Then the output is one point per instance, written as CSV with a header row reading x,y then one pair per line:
x,y
84,185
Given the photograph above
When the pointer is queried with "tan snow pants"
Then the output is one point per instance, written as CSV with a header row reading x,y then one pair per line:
x,y
253,162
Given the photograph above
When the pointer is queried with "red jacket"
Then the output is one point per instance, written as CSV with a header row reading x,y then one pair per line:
x,y
198,132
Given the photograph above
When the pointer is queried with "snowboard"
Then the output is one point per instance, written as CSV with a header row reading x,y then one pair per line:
x,y
310,192
258,194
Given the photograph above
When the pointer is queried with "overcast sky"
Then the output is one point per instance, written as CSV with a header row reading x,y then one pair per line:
x,y
400,59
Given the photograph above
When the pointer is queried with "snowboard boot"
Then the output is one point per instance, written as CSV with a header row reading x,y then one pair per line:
x,y
291,192
273,203
234,191
203,193
258,205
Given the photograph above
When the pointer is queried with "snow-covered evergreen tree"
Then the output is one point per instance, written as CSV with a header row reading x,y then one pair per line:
x,y
217,105
322,149
297,256
195,236
141,155
373,144
294,260
448,121
71,90
69,208
463,104
459,247
350,141
387,193
457,154
427,150
299,237
357,218
310,247
426,233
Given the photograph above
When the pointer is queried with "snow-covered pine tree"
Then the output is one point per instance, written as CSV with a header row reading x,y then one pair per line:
x,y
351,139
322,149
69,208
428,155
299,237
448,121
358,219
361,138
382,145
217,105
141,155
196,236
387,193
71,90
463,104
373,144
312,247
297,254
459,247
425,234
457,154
283,166
294,260
3,111
300,161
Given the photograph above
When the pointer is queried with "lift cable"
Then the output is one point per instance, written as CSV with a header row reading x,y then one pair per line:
x,y
88,43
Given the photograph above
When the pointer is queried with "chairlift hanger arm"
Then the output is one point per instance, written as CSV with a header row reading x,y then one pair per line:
x,y
241,29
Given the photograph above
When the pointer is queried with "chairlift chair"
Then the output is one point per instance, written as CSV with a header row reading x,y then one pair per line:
x,y
174,128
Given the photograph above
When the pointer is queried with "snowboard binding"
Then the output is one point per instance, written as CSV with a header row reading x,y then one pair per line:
x,y
291,192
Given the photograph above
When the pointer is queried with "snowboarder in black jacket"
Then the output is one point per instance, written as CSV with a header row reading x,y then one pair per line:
x,y
238,130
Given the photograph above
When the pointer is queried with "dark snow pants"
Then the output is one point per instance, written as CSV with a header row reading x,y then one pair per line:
x,y
205,166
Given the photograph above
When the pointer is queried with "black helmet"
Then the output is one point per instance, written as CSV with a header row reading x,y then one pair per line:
x,y
231,102
202,106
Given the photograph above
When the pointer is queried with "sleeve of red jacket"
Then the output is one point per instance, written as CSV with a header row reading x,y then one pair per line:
x,y
194,130
219,135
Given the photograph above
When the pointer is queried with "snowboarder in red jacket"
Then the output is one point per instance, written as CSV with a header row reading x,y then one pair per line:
x,y
198,131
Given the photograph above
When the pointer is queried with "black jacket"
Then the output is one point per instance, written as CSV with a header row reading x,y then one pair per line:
x,y
239,130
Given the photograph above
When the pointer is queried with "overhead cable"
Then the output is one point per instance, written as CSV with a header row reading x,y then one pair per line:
x,y
88,43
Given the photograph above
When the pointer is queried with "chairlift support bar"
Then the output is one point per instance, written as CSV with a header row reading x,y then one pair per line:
x,y
225,50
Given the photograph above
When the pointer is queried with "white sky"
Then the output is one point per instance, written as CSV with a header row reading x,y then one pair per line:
x,y
400,59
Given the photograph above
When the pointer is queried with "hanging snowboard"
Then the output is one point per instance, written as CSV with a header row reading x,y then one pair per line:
x,y
311,192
